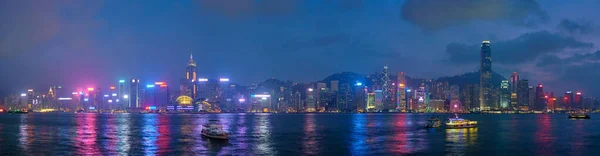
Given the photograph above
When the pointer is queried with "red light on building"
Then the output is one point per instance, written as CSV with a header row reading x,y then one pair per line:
x,y
540,85
1,110
578,93
160,83
163,86
147,108
546,96
90,89
112,87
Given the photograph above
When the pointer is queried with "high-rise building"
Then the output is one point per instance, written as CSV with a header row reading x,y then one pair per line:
x,y
385,86
401,93
188,85
485,71
578,100
470,97
531,102
360,98
568,101
523,94
320,86
540,98
334,86
514,79
344,97
504,95
371,102
134,94
123,95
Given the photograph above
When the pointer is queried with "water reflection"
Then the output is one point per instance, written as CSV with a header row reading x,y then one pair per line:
x,y
458,141
164,134
262,130
543,137
358,136
149,134
310,145
123,133
400,140
86,134
26,133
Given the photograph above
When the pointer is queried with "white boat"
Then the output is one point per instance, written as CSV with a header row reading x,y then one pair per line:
x,y
457,122
214,130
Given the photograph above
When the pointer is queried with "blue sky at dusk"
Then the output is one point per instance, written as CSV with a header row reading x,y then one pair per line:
x,y
95,43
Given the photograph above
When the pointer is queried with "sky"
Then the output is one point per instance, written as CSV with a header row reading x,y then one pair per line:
x,y
81,44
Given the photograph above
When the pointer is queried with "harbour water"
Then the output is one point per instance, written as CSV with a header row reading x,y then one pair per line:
x,y
295,134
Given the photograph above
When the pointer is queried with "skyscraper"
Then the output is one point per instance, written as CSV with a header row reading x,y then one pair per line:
x,y
523,94
578,100
514,79
568,101
134,93
485,84
334,86
401,101
188,85
540,98
504,95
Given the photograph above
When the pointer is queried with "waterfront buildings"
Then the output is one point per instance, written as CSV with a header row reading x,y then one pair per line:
x,y
485,84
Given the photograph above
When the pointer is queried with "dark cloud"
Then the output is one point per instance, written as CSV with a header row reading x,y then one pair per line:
x,y
526,47
551,60
436,14
575,27
585,76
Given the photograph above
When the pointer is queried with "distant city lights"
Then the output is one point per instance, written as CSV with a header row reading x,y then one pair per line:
x,y
114,94
106,95
149,86
91,108
159,83
86,99
23,94
117,100
30,90
359,84
74,93
90,89
125,96
202,79
310,89
65,99
261,95
578,93
110,101
121,81
112,87
242,100
224,79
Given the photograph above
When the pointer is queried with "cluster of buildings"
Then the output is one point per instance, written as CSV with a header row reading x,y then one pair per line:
x,y
377,92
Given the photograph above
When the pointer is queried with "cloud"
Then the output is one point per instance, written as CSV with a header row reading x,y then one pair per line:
x,y
526,47
437,14
577,59
575,27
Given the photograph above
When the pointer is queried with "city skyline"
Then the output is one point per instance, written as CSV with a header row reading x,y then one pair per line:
x,y
546,42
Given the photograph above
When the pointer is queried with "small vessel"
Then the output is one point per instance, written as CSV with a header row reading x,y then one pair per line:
x,y
457,122
433,122
579,116
214,130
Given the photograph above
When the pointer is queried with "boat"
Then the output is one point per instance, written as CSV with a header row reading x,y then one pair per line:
x,y
457,122
214,130
579,116
433,122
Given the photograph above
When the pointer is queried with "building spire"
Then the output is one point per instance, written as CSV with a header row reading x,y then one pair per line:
x,y
191,57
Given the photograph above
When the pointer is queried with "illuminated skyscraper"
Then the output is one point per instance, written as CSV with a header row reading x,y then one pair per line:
x,y
540,98
568,101
504,95
188,85
134,94
485,84
578,100
401,93
514,79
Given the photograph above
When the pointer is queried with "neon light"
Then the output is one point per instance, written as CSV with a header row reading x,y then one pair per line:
x,y
23,94
63,99
121,81
358,84
74,93
92,108
80,93
163,86
546,96
569,92
90,89
224,79
264,98
202,79
402,85
578,93
147,108
262,95
149,86
114,94
125,96
106,95
159,83
117,100
1,110
310,89
30,90
112,87
408,90
242,100
86,99
132,80
109,101
152,107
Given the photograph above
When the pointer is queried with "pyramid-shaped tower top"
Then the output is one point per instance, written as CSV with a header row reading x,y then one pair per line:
x,y
191,62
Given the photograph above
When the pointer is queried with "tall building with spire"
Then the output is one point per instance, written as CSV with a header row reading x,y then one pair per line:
x,y
188,85
485,85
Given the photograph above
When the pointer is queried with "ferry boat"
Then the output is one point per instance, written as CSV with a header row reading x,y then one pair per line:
x,y
433,122
214,130
457,122
579,116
